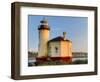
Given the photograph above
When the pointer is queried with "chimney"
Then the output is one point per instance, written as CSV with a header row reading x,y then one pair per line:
x,y
64,35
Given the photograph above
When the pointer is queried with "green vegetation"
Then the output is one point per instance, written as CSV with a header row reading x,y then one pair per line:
x,y
32,54
57,62
52,62
80,62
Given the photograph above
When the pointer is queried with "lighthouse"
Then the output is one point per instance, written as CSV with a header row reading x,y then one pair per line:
x,y
43,38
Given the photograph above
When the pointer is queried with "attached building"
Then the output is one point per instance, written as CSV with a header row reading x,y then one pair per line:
x,y
60,48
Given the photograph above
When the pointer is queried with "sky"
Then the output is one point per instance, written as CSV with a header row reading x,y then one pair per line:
x,y
75,27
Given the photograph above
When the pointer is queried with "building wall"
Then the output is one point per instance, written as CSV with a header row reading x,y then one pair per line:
x,y
66,49
43,39
70,49
52,51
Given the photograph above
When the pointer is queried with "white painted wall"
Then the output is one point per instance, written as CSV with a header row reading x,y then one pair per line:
x,y
5,38
43,39
64,49
52,51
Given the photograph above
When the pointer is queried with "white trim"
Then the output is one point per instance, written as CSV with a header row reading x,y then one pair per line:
x,y
25,70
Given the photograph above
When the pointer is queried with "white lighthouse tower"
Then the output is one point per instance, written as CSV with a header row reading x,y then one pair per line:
x,y
43,38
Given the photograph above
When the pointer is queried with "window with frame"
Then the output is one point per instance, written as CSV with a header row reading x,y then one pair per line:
x,y
56,49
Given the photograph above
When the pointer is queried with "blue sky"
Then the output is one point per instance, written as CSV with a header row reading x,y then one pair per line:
x,y
75,27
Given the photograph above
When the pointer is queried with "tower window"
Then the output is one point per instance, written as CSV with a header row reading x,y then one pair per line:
x,y
56,49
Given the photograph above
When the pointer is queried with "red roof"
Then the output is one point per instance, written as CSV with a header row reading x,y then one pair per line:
x,y
59,38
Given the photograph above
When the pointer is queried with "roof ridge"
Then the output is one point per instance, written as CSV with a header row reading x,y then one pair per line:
x,y
58,38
